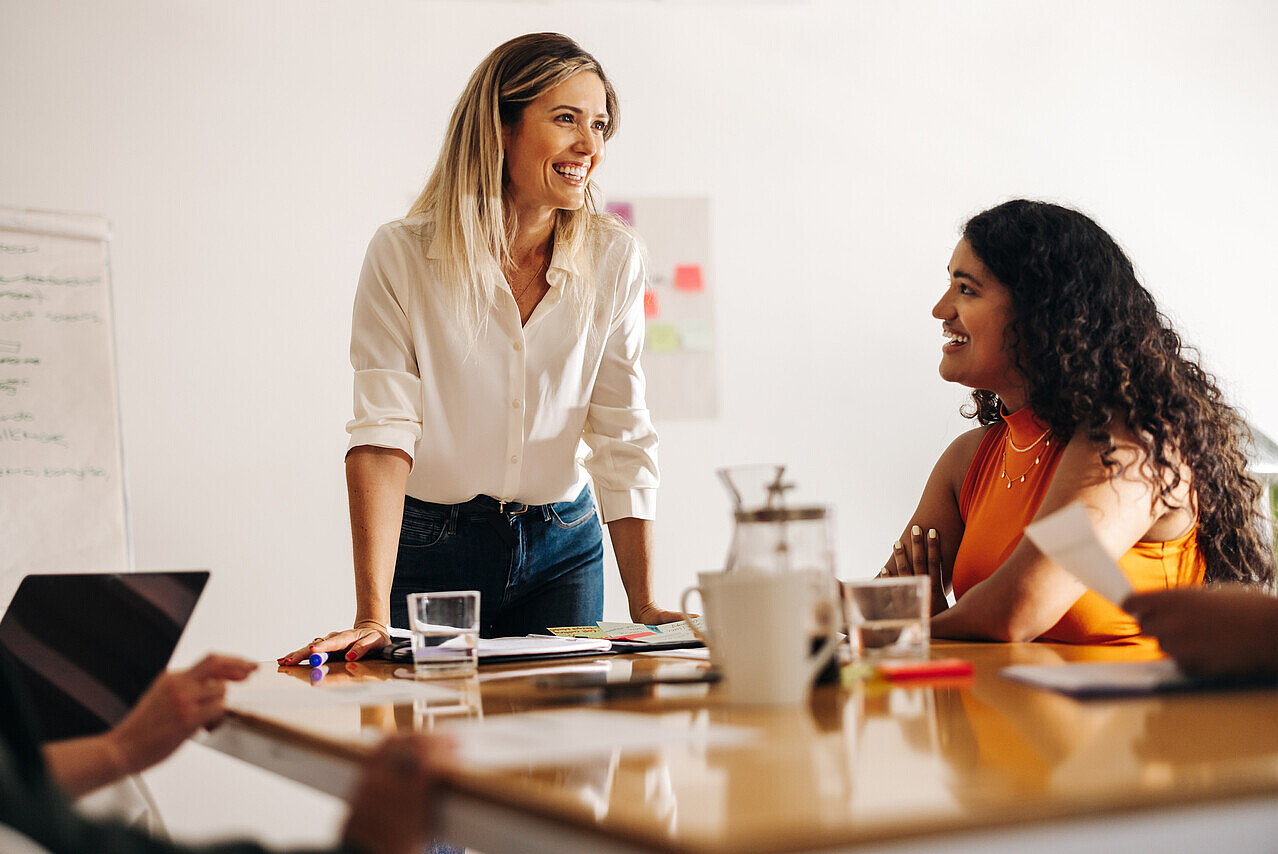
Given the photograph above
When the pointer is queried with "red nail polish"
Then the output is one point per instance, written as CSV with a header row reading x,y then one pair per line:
x,y
350,656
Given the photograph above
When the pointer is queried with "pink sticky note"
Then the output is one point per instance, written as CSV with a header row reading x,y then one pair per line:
x,y
622,209
687,277
651,308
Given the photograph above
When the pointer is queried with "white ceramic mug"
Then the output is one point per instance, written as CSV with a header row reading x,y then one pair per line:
x,y
758,631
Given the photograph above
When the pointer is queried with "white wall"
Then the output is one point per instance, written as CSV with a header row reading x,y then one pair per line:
x,y
246,150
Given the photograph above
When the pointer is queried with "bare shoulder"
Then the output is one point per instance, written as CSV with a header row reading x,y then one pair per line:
x,y
964,446
957,458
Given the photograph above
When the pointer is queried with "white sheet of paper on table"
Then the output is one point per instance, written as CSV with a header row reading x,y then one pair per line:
x,y
1099,678
1068,538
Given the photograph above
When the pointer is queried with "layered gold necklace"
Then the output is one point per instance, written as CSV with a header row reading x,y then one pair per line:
x,y
1047,443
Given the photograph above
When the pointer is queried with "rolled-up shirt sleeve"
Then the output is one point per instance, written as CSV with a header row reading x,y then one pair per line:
x,y
388,387
618,430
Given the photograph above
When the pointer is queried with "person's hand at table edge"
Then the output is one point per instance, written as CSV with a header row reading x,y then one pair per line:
x,y
394,807
650,615
368,636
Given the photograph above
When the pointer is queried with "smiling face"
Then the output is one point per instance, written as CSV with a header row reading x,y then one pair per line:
x,y
555,147
976,313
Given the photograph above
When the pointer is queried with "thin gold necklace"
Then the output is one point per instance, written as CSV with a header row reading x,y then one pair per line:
x,y
545,263
1037,457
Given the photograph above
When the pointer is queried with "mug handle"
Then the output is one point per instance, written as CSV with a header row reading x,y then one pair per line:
x,y
683,609
831,644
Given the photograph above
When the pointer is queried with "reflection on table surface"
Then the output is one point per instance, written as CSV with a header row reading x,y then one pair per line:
x,y
862,761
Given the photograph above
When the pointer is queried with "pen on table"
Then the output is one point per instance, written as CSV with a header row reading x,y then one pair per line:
x,y
318,658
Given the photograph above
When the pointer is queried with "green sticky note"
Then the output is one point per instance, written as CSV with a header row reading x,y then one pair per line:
x,y
663,338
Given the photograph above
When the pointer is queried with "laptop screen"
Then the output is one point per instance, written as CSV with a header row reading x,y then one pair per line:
x,y
88,645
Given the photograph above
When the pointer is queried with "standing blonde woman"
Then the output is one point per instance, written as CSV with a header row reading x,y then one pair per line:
x,y
495,327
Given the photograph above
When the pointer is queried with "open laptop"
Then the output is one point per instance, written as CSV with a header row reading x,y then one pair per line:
x,y
88,645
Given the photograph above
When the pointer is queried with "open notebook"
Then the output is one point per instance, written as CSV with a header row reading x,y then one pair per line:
x,y
88,645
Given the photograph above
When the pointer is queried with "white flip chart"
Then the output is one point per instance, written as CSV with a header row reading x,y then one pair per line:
x,y
62,489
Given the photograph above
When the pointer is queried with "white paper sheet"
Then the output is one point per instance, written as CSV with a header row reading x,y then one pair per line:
x,y
539,645
572,735
1068,538
1101,678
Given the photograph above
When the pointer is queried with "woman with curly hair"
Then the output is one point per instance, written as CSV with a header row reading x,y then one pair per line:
x,y
1084,394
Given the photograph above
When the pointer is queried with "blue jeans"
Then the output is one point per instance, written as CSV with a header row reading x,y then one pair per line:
x,y
535,566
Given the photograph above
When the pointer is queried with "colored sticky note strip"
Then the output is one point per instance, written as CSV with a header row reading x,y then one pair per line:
x,y
663,338
651,305
943,668
625,210
687,277
578,632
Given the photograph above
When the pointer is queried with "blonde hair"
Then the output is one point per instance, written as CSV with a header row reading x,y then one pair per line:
x,y
462,203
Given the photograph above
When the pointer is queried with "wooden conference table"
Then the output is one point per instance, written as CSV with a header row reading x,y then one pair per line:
x,y
861,765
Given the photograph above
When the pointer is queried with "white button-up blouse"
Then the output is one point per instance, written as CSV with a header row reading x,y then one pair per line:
x,y
504,416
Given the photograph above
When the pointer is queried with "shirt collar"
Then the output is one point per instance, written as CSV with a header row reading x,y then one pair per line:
x,y
562,264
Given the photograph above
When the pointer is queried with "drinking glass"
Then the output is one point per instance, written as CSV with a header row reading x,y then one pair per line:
x,y
888,617
445,629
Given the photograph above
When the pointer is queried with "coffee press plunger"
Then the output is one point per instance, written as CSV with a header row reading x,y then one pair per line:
x,y
769,535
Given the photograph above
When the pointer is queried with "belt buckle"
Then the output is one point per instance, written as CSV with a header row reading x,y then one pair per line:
x,y
501,508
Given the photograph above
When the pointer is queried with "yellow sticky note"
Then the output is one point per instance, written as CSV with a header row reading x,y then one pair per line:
x,y
577,632
663,338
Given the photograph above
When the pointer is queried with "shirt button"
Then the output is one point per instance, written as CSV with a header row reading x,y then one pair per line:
x,y
518,346
514,459
514,404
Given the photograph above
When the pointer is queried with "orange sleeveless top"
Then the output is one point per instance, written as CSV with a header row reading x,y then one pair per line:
x,y
1001,494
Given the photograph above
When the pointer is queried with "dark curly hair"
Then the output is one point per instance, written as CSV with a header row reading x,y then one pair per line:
x,y
1095,350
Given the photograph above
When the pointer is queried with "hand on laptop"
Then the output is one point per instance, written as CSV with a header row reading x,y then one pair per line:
x,y
177,704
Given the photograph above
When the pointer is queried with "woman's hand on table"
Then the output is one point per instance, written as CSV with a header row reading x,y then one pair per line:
x,y
367,637
650,615
921,557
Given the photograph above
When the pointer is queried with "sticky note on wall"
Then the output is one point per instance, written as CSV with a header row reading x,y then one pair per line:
x,y
624,210
651,305
697,337
663,338
687,277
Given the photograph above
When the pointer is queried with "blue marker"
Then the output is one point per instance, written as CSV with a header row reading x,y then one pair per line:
x,y
318,658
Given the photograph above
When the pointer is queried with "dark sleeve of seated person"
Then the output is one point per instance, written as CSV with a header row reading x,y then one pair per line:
x,y
34,806
1224,632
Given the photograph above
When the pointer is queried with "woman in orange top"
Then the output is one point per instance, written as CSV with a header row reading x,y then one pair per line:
x,y
1084,395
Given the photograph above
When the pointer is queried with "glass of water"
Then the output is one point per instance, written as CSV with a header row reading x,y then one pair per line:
x,y
445,633
888,617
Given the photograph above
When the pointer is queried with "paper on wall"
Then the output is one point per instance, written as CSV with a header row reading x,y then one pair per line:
x,y
1068,538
